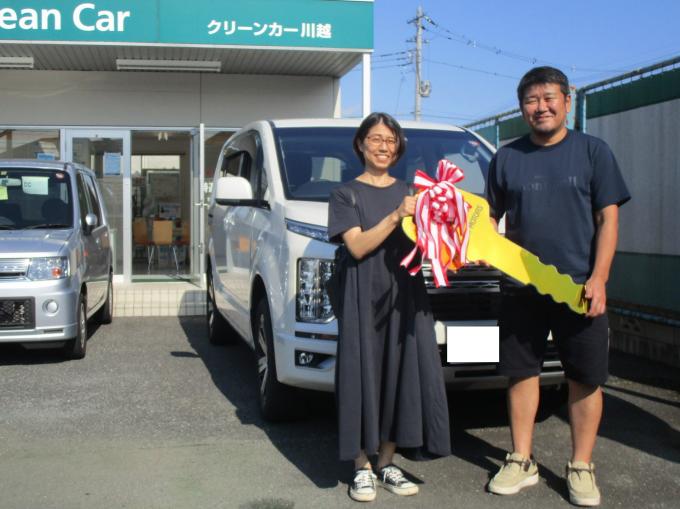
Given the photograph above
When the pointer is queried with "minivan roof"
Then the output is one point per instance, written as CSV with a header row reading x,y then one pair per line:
x,y
354,122
42,164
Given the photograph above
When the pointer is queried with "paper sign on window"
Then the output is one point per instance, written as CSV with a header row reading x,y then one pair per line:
x,y
112,163
35,185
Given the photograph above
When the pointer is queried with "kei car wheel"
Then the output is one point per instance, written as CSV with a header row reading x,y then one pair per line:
x,y
278,402
219,331
106,312
76,348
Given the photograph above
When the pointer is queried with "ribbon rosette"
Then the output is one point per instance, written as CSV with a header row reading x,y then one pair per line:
x,y
441,222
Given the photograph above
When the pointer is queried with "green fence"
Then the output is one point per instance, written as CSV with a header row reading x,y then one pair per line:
x,y
650,282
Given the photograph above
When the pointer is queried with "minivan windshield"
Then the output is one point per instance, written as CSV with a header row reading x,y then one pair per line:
x,y
35,198
317,159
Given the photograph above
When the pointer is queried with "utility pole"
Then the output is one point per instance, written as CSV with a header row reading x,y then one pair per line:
x,y
419,51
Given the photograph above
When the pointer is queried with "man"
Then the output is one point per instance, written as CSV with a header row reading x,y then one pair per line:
x,y
560,191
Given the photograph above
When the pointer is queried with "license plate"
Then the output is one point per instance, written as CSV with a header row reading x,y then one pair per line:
x,y
471,344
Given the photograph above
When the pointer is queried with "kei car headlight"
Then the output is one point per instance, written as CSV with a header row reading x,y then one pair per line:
x,y
312,303
44,269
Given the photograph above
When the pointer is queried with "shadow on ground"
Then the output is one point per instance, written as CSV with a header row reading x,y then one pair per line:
x,y
311,443
14,354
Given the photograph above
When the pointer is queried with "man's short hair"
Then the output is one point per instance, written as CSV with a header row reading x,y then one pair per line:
x,y
542,76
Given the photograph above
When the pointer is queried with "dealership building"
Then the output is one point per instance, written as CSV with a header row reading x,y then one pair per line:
x,y
146,92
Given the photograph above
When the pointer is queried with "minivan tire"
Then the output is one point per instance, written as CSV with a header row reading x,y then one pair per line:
x,y
77,347
278,402
219,331
105,314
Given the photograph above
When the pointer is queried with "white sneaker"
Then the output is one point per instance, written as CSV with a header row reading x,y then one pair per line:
x,y
363,486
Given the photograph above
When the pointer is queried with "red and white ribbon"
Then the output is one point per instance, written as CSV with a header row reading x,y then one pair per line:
x,y
441,221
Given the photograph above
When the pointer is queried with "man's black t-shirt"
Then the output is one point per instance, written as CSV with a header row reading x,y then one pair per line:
x,y
550,196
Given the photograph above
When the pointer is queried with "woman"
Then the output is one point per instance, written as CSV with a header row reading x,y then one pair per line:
x,y
389,384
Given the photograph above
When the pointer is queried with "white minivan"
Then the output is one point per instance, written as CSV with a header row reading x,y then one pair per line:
x,y
269,254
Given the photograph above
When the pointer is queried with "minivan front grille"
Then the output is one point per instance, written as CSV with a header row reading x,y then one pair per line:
x,y
11,268
473,293
17,313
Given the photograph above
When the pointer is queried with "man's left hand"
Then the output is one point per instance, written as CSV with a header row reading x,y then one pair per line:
x,y
596,293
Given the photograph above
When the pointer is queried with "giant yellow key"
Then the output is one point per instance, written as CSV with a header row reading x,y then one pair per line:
x,y
487,245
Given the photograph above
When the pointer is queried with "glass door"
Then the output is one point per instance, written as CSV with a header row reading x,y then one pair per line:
x,y
107,153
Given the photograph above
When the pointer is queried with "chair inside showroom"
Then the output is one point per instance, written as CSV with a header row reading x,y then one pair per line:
x,y
161,236
182,241
140,238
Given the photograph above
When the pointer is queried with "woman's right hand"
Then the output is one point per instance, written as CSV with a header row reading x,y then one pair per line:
x,y
407,207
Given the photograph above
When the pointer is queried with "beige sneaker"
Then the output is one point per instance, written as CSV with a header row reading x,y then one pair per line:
x,y
516,473
581,482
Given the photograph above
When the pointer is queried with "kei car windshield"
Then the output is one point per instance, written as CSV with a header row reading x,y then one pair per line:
x,y
33,198
317,159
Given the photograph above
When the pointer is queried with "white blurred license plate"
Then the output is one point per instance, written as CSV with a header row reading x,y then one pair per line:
x,y
471,344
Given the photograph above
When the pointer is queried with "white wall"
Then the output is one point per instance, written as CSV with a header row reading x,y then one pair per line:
x,y
646,143
71,98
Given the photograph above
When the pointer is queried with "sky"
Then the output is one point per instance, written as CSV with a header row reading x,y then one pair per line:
x,y
477,50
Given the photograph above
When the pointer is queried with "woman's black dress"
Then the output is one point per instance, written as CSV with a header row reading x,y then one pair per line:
x,y
389,383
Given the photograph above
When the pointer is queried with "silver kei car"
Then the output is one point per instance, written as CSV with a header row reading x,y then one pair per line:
x,y
55,255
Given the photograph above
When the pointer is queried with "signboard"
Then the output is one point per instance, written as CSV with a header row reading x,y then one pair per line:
x,y
342,24
112,162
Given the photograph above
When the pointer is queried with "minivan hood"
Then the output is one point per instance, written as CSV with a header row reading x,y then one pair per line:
x,y
310,212
31,243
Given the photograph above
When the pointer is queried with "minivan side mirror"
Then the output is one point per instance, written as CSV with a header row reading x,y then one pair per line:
x,y
235,191
90,222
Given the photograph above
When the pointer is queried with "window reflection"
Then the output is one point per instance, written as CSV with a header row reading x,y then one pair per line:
x,y
29,144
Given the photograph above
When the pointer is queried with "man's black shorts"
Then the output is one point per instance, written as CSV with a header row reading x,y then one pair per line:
x,y
526,319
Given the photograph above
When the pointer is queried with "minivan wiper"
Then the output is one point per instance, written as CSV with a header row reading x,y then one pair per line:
x,y
7,227
47,225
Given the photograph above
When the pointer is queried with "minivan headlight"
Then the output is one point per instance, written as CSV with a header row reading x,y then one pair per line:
x,y
313,231
44,269
312,302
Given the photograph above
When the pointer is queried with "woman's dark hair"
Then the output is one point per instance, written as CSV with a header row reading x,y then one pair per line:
x,y
373,119
542,76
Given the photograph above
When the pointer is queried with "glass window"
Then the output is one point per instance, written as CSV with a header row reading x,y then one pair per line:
x,y
315,160
29,144
214,141
162,189
94,199
82,199
31,198
236,165
100,154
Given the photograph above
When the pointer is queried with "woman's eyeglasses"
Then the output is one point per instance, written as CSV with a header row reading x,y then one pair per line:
x,y
376,141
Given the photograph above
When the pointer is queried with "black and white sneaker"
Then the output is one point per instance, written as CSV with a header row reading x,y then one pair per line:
x,y
393,480
363,485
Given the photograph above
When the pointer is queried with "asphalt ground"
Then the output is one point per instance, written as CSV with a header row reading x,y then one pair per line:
x,y
155,417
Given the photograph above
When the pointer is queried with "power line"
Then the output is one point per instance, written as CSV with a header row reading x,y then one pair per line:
x,y
444,114
390,66
472,69
467,41
377,66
